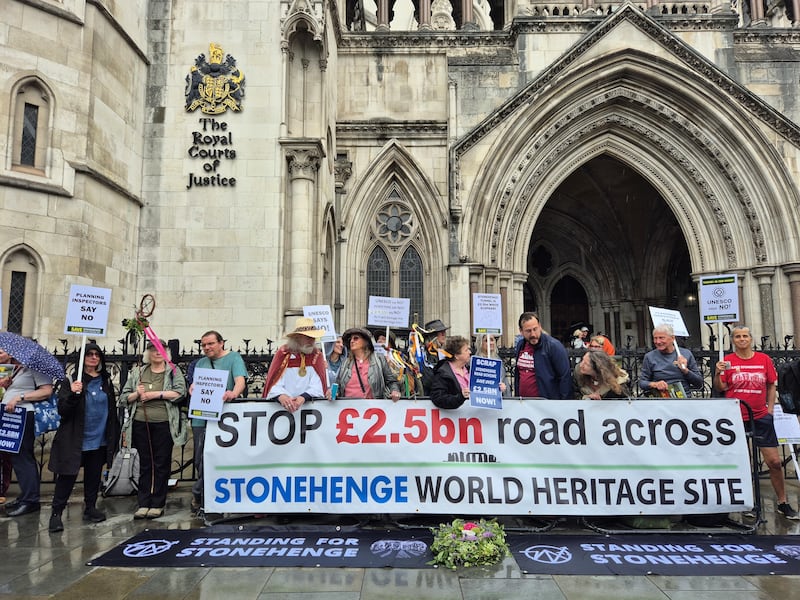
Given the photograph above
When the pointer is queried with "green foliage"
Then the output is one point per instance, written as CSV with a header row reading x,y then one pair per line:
x,y
136,325
468,543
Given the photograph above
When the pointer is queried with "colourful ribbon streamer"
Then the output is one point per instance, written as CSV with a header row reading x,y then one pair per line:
x,y
154,339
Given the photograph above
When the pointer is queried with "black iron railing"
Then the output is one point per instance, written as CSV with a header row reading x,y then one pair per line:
x,y
257,361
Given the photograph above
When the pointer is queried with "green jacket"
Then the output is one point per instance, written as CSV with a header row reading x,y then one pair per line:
x,y
178,422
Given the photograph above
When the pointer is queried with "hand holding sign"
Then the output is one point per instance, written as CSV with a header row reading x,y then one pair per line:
x,y
208,394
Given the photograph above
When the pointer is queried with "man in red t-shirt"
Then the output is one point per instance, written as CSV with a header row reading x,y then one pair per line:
x,y
750,376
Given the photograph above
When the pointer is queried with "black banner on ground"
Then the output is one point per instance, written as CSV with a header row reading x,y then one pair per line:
x,y
641,554
257,547
548,554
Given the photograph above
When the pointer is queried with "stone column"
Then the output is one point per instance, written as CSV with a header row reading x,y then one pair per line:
x,y
764,277
424,15
342,170
505,281
793,273
284,87
606,319
642,318
475,272
756,12
303,159
616,334
467,16
516,303
383,16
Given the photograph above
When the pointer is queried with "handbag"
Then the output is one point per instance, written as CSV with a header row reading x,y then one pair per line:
x,y
45,413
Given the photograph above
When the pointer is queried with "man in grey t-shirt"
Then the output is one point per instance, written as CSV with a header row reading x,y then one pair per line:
x,y
668,364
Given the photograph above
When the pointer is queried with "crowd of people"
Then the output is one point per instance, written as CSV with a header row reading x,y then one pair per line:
x,y
358,364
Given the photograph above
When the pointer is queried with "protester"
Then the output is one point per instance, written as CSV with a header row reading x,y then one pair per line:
x,y
289,379
335,354
664,366
543,368
450,385
365,373
5,457
579,338
154,426
216,357
482,342
750,376
597,376
435,333
27,386
601,342
86,437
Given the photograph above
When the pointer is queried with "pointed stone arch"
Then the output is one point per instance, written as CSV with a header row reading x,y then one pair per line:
x,y
393,174
671,123
304,15
22,259
31,89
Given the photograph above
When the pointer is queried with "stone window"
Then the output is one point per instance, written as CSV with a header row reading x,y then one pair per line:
x,y
395,267
16,301
378,274
411,276
19,282
31,131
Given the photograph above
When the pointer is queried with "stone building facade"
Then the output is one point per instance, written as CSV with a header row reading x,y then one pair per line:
x,y
242,159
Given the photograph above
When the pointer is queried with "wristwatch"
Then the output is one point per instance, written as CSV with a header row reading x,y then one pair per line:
x,y
22,397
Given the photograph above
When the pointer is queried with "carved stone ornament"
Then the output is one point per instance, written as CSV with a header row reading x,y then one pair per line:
x,y
216,85
394,223
442,16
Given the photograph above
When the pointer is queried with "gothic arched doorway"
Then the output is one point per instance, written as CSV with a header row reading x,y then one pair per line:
x,y
607,245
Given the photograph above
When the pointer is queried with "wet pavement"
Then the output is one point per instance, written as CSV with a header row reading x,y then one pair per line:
x,y
38,564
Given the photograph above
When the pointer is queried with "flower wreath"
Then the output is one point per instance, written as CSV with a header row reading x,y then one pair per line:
x,y
468,543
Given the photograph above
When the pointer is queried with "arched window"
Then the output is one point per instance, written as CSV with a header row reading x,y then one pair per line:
x,y
395,267
378,274
31,129
411,276
19,283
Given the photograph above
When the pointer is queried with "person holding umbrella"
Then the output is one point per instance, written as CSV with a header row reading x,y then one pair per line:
x,y
87,436
31,381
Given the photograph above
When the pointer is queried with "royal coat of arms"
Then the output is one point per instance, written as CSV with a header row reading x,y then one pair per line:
x,y
215,85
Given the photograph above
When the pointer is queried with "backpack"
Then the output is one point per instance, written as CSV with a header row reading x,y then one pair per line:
x,y
123,477
789,386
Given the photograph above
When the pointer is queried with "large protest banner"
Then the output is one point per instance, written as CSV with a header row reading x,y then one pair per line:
x,y
565,457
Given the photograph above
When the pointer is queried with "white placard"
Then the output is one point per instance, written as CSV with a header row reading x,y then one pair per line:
x,y
207,394
487,311
719,298
87,310
787,428
388,312
665,316
323,319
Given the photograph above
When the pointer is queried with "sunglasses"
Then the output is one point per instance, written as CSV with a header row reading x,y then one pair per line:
x,y
97,354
